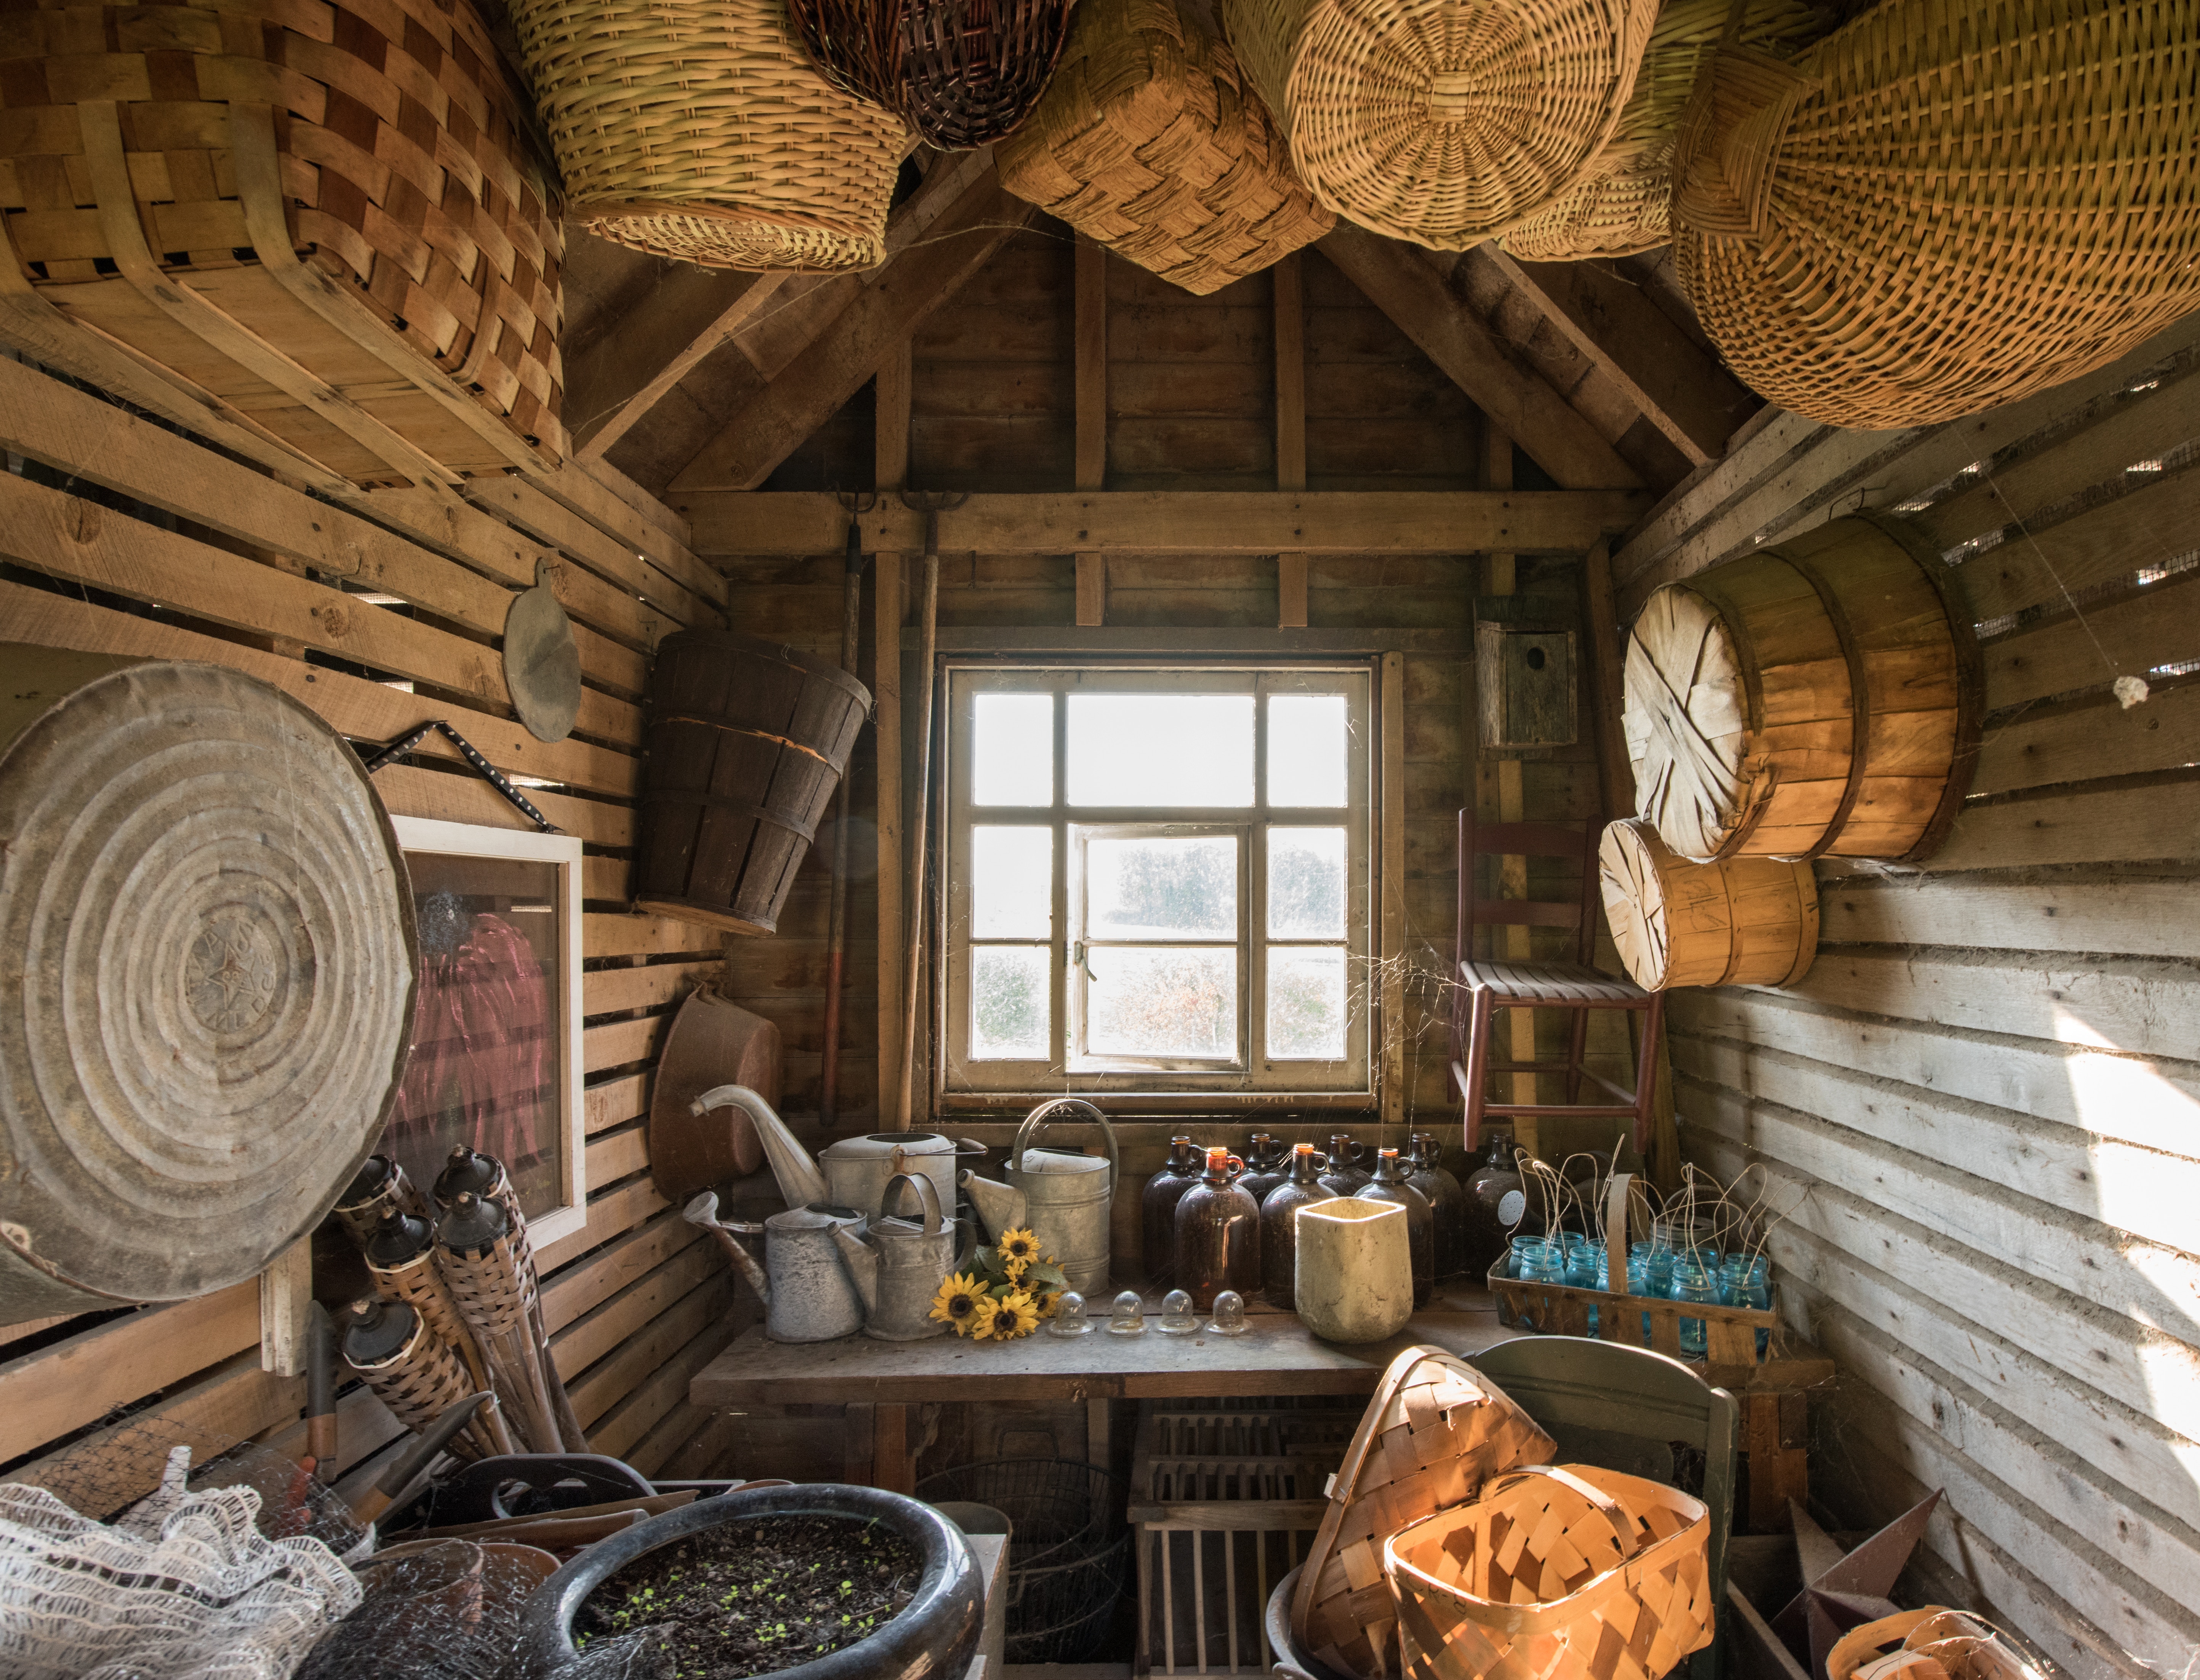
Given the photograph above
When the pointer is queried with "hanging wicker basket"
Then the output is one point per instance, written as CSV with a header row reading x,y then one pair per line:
x,y
696,129
1940,208
1441,121
961,72
1622,206
1149,142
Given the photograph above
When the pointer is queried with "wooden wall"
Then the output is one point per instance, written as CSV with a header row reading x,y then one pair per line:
x,y
118,535
1984,1102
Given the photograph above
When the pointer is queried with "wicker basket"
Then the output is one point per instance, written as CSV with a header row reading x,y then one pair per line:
x,y
696,129
1441,121
1935,1643
961,72
1435,1431
1622,207
1557,1572
326,217
1149,142
1940,208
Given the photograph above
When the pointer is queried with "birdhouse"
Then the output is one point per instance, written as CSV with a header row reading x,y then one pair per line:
x,y
1527,683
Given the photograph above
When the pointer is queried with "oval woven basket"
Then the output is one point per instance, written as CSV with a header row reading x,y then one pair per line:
x,y
1940,208
961,72
696,129
1622,205
1441,121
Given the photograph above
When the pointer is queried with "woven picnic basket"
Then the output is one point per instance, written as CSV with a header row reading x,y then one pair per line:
x,y
698,129
1435,1431
1621,206
1441,121
960,72
1941,207
1555,1572
1934,1643
1149,142
327,218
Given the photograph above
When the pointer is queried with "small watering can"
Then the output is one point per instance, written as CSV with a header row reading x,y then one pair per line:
x,y
818,1280
903,1262
1064,1198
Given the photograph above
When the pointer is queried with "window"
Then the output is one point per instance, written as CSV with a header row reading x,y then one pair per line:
x,y
1157,880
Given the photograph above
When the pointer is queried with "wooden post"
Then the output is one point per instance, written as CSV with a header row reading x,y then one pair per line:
x,y
1503,789
894,1467
1290,429
1615,775
887,686
286,1296
1392,947
897,380
1091,414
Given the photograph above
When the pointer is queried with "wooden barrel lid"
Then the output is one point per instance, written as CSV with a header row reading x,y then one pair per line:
x,y
1686,721
206,999
1629,860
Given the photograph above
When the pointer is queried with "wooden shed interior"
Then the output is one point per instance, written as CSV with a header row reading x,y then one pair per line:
x,y
1976,1116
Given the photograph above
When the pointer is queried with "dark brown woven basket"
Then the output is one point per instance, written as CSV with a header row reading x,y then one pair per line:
x,y
961,72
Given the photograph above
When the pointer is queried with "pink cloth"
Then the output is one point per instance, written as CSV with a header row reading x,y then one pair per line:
x,y
482,1067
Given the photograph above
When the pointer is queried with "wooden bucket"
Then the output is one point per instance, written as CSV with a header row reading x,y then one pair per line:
x,y
1738,921
1817,697
748,741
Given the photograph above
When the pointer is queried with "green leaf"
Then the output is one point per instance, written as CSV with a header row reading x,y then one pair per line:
x,y
1046,1275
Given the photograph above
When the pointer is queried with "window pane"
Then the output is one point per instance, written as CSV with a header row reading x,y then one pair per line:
x,y
1160,750
1012,750
1305,749
1161,1002
1162,889
1306,1003
1011,883
1009,1012
1306,883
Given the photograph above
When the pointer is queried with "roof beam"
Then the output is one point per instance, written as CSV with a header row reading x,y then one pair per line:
x,y
894,301
1518,400
1198,522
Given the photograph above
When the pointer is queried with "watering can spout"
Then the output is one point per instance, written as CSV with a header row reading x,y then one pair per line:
x,y
703,1210
863,1263
1000,1206
799,1181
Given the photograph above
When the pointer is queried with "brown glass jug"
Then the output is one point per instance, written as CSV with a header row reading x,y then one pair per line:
x,y
1390,1184
1218,1233
1446,1200
1267,1164
1157,1209
1341,1175
1489,1216
1280,1224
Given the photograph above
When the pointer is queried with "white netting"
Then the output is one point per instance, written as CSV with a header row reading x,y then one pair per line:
x,y
183,1587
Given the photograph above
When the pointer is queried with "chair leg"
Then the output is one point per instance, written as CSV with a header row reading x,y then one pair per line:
x,y
1646,1073
1478,1067
1574,1058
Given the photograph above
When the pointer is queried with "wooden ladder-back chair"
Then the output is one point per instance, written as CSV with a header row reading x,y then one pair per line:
x,y
1486,984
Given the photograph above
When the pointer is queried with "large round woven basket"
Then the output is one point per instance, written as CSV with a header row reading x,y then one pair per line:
x,y
1942,208
1441,121
1621,207
696,129
961,72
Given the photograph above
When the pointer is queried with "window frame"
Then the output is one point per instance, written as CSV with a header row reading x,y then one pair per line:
x,y
960,1080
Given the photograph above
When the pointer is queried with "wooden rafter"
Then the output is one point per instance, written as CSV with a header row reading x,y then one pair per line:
x,y
1518,400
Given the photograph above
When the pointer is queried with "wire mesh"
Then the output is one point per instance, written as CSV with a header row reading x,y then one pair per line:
x,y
1069,1547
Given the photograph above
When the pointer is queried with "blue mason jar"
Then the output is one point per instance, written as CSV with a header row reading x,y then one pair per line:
x,y
1696,1284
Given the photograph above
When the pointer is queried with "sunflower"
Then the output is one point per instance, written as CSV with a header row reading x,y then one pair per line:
x,y
1018,1249
985,1318
1016,1314
964,1304
1047,1302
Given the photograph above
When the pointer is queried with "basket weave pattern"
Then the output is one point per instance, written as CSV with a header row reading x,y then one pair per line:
x,y
398,170
961,72
1149,142
1441,121
1940,208
696,129
1435,1431
1555,1573
420,1382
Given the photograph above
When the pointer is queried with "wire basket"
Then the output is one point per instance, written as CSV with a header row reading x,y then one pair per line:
x,y
1069,1548
961,72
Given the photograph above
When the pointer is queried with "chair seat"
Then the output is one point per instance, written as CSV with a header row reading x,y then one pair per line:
x,y
1553,984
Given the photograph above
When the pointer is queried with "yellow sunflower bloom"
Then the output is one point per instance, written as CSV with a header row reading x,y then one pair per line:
x,y
1016,1315
963,1305
1048,1302
1017,1249
985,1319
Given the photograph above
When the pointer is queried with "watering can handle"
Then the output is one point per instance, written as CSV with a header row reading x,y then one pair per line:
x,y
927,1199
1037,1117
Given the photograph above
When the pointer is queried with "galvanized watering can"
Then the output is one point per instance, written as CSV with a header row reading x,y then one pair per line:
x,y
899,1263
817,1279
1064,1198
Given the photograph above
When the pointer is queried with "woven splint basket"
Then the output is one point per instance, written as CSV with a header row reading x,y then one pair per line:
x,y
961,72
1441,121
1435,1431
698,129
327,217
1621,208
1935,1643
1149,142
1940,208
1557,1572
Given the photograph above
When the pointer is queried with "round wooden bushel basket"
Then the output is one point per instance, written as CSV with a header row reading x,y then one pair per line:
x,y
1738,921
1819,697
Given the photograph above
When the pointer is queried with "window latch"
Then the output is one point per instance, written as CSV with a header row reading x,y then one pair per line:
x,y
1080,958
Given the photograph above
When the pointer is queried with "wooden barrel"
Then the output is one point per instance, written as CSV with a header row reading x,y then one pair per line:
x,y
748,741
206,976
1817,697
1738,921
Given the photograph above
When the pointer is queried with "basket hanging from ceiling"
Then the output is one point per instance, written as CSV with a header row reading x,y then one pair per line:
x,y
696,129
1441,121
1940,208
1621,206
961,72
1149,142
